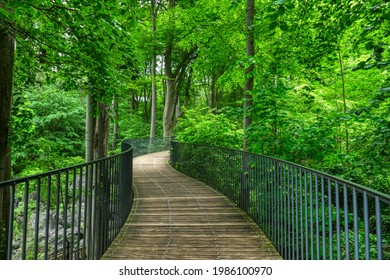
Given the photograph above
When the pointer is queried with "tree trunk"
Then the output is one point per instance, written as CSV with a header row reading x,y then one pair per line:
x,y
146,107
169,108
174,77
207,92
154,74
97,132
7,48
214,93
178,90
250,52
102,132
115,119
90,126
168,116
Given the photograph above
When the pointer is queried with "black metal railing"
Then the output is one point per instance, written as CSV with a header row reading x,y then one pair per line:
x,y
305,213
75,212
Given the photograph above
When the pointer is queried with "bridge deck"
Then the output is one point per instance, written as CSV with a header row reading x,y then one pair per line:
x,y
176,217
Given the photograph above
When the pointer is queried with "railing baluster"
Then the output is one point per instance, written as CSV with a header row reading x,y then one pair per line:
x,y
37,213
301,214
80,233
86,210
338,231
355,224
292,232
57,217
346,222
25,220
263,192
323,218
72,233
330,219
274,219
95,227
317,218
306,218
65,243
366,227
47,227
11,221
296,214
378,219
285,191
279,208
311,218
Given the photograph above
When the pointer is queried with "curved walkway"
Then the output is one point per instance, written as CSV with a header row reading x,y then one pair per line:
x,y
176,217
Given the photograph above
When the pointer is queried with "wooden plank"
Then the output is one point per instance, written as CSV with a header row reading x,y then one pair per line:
x,y
177,217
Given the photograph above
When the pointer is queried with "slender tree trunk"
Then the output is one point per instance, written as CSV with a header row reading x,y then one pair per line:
x,y
250,52
90,126
115,119
207,92
146,107
7,48
214,93
168,116
154,74
97,132
344,99
102,132
275,125
178,90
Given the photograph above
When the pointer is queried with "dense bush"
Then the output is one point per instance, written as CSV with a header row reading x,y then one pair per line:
x,y
202,126
48,129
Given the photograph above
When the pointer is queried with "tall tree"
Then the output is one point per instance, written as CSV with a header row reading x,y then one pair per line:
x,y
7,47
176,62
249,76
153,112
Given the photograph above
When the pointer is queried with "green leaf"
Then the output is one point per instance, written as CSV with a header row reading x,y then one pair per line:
x,y
369,45
273,25
283,26
281,11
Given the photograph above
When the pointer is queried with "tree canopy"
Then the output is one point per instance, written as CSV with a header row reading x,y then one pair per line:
x,y
320,72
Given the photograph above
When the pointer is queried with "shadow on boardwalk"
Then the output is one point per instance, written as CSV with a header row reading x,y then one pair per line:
x,y
176,217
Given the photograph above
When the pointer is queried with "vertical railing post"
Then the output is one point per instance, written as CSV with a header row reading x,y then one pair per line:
x,y
173,154
125,179
5,207
11,222
244,196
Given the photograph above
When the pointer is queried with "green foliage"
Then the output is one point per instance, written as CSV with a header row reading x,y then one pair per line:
x,y
134,126
202,126
48,130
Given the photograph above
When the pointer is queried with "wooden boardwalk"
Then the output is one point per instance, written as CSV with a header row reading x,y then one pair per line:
x,y
177,217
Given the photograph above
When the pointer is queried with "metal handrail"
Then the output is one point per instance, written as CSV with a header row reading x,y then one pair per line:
x,y
74,212
306,214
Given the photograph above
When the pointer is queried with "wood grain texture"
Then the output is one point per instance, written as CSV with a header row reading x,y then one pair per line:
x,y
177,217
